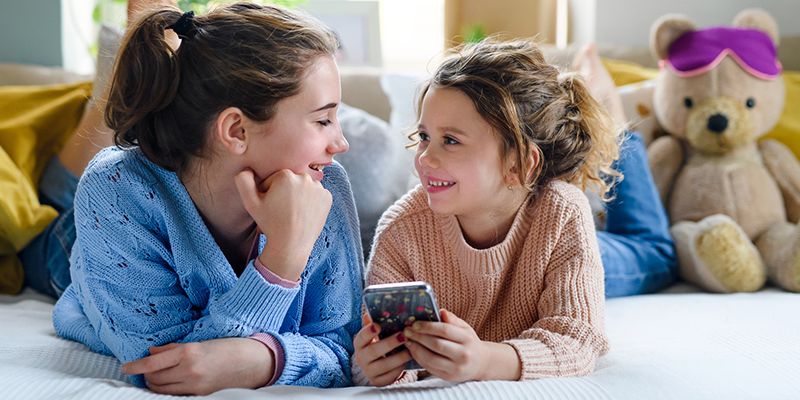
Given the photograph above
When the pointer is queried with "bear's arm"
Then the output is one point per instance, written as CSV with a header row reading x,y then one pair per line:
x,y
666,158
785,168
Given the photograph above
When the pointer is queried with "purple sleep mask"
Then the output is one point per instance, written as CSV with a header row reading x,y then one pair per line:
x,y
699,51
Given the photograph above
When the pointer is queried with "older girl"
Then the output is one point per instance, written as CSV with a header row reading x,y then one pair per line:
x,y
219,246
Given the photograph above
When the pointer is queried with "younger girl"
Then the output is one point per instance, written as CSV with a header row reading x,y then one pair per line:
x,y
500,226
222,219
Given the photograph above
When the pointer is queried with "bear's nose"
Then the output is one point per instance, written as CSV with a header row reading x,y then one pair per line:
x,y
717,123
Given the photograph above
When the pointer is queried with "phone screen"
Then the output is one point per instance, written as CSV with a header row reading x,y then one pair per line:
x,y
397,306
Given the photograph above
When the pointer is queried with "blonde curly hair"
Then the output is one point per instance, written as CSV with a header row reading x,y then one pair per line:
x,y
534,107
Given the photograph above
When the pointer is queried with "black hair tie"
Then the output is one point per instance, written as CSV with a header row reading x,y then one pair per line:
x,y
184,26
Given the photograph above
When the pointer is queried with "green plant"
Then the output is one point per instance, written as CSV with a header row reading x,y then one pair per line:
x,y
474,33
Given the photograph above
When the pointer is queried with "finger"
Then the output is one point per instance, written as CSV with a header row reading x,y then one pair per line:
x,y
442,330
364,337
246,186
365,319
275,176
382,347
388,378
156,362
384,365
428,359
167,376
161,349
172,388
450,318
445,348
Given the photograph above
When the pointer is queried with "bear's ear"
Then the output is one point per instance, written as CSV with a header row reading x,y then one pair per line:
x,y
665,30
757,18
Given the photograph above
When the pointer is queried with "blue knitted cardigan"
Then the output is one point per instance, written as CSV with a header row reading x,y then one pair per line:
x,y
147,272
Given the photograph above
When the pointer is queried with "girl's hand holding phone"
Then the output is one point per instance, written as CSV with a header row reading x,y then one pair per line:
x,y
290,209
450,349
370,354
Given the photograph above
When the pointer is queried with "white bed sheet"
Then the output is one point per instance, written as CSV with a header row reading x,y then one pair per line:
x,y
676,345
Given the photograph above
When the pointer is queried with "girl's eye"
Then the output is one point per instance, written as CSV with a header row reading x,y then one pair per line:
x,y
423,137
324,122
449,140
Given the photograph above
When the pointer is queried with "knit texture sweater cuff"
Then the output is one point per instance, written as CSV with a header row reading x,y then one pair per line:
x,y
299,353
258,303
277,352
536,359
272,277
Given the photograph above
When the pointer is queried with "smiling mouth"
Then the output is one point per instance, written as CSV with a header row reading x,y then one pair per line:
x,y
440,183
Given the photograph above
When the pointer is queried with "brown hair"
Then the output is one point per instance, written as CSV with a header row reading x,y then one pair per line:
x,y
241,55
534,107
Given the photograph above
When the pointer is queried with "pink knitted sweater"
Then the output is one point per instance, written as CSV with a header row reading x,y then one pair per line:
x,y
540,290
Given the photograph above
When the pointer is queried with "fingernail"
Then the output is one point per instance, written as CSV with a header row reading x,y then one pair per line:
x,y
373,328
408,333
401,338
417,326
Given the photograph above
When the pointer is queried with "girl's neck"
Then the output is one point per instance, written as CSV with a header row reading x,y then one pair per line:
x,y
217,200
489,226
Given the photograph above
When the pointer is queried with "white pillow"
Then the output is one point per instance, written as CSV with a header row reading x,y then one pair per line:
x,y
402,90
378,165
637,102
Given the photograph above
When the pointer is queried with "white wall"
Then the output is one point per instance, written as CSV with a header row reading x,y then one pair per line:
x,y
408,35
78,35
628,21
412,34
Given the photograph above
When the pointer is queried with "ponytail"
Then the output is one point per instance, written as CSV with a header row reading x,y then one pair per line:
x,y
145,81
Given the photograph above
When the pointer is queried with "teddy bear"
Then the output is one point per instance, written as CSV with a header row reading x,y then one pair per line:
x,y
733,201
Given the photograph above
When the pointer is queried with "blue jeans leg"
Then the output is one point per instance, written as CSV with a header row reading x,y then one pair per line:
x,y
46,258
636,247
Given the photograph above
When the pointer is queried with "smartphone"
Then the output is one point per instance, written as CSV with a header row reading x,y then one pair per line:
x,y
395,306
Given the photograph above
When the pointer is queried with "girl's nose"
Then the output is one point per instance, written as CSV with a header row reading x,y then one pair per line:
x,y
339,144
428,159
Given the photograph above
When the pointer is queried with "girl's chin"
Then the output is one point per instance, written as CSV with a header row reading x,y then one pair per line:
x,y
439,207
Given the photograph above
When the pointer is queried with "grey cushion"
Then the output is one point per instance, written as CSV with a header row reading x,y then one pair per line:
x,y
378,165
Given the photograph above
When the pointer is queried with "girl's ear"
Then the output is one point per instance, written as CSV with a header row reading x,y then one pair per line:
x,y
512,167
229,130
534,158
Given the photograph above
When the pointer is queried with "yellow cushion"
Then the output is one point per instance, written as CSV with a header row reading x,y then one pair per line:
x,y
625,73
786,131
35,122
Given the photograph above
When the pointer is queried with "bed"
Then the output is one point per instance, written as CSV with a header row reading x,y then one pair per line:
x,y
680,344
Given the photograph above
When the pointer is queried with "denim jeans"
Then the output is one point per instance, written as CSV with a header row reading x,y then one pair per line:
x,y
636,247
46,258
